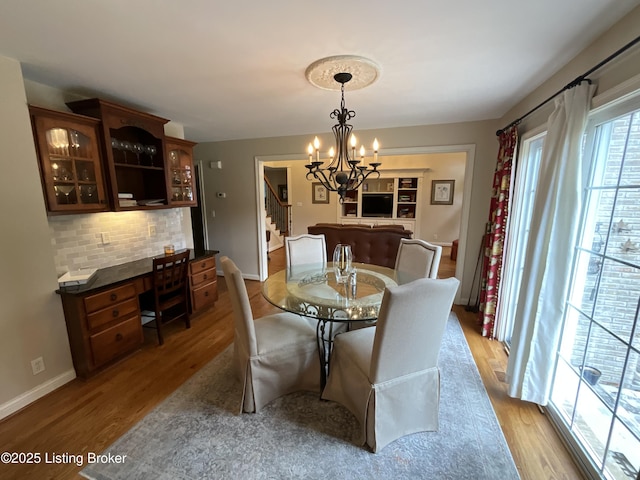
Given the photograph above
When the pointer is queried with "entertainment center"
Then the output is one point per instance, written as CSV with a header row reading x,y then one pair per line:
x,y
391,199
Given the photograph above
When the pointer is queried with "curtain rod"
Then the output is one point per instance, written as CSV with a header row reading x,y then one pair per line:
x,y
575,82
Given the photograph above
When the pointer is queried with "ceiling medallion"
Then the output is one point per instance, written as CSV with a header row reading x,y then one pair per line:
x,y
363,71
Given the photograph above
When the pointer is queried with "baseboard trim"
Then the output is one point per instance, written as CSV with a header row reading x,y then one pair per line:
x,y
34,394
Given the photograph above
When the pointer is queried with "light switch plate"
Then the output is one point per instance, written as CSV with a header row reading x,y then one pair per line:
x,y
106,239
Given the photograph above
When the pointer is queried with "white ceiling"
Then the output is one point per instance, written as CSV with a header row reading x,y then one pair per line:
x,y
236,69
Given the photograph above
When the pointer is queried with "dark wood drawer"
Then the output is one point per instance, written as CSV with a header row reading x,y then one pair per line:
x,y
113,313
197,266
109,297
203,296
117,340
205,277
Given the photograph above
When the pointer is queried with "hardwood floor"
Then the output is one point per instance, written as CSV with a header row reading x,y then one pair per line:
x,y
87,416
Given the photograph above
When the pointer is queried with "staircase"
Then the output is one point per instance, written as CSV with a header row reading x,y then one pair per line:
x,y
277,217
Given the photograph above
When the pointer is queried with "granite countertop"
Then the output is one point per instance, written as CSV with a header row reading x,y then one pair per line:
x,y
109,276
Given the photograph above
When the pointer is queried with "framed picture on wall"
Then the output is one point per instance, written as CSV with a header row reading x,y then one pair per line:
x,y
442,192
282,193
319,193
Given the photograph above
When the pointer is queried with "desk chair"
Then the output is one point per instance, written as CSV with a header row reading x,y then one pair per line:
x,y
171,293
305,248
388,375
419,258
275,354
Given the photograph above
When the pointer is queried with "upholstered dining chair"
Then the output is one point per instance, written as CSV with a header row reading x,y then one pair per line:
x,y
274,355
305,248
170,292
388,375
418,258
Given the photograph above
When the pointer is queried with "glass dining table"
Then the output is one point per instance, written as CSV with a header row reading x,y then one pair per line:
x,y
311,290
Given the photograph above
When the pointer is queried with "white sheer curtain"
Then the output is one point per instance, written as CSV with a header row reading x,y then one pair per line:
x,y
554,226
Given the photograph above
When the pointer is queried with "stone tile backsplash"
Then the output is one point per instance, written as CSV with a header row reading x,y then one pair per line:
x,y
77,239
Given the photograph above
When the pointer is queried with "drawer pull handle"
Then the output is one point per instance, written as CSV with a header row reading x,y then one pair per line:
x,y
115,313
204,264
206,294
118,336
114,297
205,276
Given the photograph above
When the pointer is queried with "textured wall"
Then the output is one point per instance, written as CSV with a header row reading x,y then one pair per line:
x,y
77,239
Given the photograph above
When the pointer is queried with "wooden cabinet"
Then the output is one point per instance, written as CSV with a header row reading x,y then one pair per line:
x,y
203,283
106,156
69,159
102,326
180,172
134,154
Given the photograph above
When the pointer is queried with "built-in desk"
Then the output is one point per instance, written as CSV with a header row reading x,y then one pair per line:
x,y
103,316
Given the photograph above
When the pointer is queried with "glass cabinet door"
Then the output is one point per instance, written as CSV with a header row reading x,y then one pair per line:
x,y
69,162
180,172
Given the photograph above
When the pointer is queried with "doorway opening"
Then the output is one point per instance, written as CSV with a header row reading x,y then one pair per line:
x,y
294,193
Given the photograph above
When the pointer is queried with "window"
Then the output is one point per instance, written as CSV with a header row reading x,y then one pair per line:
x,y
596,392
524,189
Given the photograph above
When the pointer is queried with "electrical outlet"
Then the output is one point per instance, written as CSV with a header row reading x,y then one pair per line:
x,y
152,230
37,365
106,239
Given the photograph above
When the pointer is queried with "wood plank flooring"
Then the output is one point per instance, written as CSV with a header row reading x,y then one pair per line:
x,y
87,416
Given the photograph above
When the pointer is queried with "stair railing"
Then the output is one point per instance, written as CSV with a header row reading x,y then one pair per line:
x,y
279,211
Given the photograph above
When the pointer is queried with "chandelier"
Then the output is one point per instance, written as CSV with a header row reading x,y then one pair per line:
x,y
344,172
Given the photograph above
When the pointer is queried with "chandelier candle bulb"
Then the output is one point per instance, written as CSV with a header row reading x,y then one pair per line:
x,y
375,149
362,152
310,150
316,144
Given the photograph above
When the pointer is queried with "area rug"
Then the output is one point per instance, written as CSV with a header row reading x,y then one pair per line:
x,y
197,433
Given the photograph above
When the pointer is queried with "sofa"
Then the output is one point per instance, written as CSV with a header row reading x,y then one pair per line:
x,y
377,245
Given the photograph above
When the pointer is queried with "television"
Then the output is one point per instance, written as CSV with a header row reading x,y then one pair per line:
x,y
377,205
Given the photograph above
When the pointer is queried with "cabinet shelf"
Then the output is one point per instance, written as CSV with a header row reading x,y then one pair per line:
x,y
137,167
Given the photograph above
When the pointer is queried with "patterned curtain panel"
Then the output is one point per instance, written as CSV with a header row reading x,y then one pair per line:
x,y
496,229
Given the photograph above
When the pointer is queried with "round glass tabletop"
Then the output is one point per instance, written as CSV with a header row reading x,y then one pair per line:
x,y
312,290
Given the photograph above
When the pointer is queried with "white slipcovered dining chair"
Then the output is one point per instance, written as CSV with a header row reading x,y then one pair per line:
x,y
274,355
388,375
305,249
418,258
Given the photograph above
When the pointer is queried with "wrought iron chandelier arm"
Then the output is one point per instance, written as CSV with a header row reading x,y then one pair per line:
x,y
321,177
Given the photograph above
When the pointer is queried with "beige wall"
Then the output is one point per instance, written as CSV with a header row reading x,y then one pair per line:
x,y
611,75
31,319
233,231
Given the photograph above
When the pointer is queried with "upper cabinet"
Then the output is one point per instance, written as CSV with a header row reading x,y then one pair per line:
x,y
134,154
69,155
105,156
180,173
